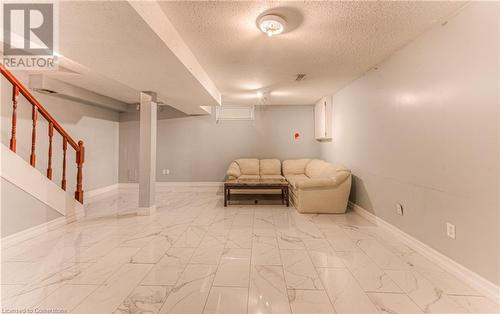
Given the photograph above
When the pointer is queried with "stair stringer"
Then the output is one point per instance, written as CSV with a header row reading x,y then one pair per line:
x,y
20,173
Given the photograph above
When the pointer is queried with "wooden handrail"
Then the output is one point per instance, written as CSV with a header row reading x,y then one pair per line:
x,y
32,100
37,108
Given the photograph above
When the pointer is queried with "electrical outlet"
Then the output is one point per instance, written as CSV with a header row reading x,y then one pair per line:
x,y
165,171
399,209
450,230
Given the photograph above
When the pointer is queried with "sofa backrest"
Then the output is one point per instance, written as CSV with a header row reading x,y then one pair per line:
x,y
269,166
295,166
313,168
248,166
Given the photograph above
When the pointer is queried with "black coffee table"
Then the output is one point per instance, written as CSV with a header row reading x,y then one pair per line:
x,y
257,184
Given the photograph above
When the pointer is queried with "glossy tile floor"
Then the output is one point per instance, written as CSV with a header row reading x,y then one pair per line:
x,y
195,256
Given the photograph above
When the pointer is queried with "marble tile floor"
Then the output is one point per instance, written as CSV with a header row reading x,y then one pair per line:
x,y
196,256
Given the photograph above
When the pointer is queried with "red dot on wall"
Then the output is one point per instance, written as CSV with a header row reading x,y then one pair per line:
x,y
296,135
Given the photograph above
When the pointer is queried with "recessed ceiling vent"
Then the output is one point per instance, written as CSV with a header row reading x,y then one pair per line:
x,y
45,91
300,77
55,88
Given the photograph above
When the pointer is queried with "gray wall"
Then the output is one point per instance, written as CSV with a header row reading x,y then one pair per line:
x,y
423,130
26,211
196,148
97,127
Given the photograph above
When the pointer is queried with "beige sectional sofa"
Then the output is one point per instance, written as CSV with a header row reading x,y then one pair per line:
x,y
316,186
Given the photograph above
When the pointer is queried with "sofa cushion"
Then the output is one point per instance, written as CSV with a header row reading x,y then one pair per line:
x,y
249,177
295,166
270,166
294,178
272,177
248,166
319,169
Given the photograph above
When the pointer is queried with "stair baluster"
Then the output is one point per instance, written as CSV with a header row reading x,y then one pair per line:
x,y
65,147
34,116
49,167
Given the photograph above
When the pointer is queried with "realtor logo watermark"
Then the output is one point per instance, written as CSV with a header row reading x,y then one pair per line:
x,y
30,35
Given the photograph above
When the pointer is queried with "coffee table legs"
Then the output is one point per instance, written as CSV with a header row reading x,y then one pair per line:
x,y
285,199
226,190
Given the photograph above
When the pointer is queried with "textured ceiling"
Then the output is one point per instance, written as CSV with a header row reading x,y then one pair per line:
x,y
332,42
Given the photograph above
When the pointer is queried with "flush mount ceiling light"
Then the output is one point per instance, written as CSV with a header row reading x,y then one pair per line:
x,y
271,24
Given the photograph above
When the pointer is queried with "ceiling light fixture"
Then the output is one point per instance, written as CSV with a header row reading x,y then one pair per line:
x,y
271,24
260,94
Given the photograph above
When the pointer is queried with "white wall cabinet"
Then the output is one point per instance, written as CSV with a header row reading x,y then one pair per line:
x,y
323,118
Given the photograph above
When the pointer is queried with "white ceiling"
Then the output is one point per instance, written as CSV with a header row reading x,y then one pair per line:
x,y
118,49
75,74
113,40
332,42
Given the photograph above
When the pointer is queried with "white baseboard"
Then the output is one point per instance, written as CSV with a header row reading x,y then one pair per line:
x,y
146,211
190,184
35,231
89,195
126,186
174,184
96,192
58,222
92,194
478,282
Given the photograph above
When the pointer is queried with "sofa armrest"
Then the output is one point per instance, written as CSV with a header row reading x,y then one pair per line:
x,y
341,176
334,181
233,171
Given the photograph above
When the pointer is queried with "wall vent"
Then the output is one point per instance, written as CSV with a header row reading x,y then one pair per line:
x,y
228,112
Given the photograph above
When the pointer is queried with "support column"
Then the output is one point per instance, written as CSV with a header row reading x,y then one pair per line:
x,y
147,154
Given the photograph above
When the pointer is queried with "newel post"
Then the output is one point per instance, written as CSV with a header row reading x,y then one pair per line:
x,y
80,158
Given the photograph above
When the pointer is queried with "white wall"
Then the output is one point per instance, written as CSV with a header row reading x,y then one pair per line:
x,y
196,148
423,130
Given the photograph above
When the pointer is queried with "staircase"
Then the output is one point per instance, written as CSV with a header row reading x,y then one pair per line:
x,y
37,109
